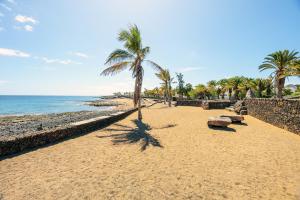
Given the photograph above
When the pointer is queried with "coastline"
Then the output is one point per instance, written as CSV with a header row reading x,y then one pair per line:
x,y
15,126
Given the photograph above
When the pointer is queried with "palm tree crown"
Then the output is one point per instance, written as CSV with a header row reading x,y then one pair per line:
x,y
164,75
280,62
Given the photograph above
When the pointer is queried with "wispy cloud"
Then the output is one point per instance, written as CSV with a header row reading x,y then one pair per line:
x,y
28,28
189,69
79,54
1,29
11,1
58,61
1,14
13,53
2,82
5,7
25,19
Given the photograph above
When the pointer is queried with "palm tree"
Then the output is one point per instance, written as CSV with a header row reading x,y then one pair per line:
x,y
211,87
235,83
132,56
164,75
269,87
180,88
281,63
222,87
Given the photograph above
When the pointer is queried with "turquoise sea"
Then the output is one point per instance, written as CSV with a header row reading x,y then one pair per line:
x,y
21,105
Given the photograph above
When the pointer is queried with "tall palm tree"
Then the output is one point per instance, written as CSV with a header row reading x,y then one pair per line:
x,y
281,63
164,75
132,56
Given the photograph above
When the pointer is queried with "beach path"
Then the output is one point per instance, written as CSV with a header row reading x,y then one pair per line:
x,y
172,154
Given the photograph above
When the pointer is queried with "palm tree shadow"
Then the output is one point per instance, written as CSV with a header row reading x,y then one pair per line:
x,y
133,135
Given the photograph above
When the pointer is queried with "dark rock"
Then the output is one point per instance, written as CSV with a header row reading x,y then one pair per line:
x,y
40,127
238,106
243,112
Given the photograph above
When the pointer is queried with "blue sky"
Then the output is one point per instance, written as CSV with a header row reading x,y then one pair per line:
x,y
58,47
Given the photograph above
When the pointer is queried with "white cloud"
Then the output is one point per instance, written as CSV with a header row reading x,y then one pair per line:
x,y
79,54
13,52
25,19
58,61
11,1
28,28
189,69
5,7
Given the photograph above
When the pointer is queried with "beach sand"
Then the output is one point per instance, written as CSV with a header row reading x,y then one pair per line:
x,y
176,157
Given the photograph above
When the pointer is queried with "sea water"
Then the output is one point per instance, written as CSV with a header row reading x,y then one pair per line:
x,y
23,105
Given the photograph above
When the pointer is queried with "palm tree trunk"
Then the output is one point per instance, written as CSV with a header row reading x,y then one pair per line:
x,y
139,90
135,95
170,95
280,87
230,93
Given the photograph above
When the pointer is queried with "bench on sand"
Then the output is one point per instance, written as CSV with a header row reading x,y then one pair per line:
x,y
234,118
218,121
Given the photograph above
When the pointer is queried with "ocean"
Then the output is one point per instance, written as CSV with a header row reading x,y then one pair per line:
x,y
25,105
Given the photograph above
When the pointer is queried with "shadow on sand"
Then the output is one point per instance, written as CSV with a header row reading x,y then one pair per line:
x,y
134,135
240,123
222,128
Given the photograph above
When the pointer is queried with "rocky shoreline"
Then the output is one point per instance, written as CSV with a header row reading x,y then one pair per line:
x,y
18,126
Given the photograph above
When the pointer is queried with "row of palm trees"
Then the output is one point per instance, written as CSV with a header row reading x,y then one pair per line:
x,y
235,88
133,56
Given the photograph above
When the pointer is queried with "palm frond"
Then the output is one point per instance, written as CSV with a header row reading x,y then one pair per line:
x,y
154,65
119,55
145,51
266,66
116,68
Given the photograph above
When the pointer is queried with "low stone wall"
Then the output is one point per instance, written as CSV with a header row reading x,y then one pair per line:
x,y
278,112
31,141
206,104
216,104
189,103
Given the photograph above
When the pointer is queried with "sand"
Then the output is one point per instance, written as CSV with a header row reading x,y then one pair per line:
x,y
127,103
176,156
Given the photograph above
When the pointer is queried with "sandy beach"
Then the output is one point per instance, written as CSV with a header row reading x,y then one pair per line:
x,y
171,155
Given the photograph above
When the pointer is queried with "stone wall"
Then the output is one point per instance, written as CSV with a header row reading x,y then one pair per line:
x,y
34,140
189,103
216,104
206,104
278,112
